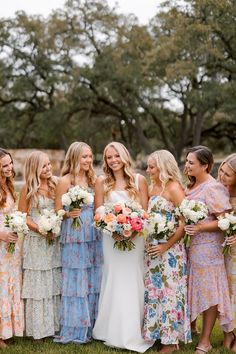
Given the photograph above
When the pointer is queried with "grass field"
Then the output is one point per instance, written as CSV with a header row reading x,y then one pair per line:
x,y
28,346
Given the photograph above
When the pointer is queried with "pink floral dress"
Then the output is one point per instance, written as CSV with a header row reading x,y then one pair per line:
x,y
207,282
11,305
166,315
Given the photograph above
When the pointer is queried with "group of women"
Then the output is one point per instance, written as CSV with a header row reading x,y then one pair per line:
x,y
80,287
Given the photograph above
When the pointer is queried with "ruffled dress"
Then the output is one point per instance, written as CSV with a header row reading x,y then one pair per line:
x,y
207,282
82,260
11,304
41,279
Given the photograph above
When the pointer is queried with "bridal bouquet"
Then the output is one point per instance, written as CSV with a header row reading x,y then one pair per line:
x,y
123,221
16,222
193,211
161,223
227,223
49,223
76,197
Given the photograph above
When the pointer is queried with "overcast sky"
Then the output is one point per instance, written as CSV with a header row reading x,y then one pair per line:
x,y
143,9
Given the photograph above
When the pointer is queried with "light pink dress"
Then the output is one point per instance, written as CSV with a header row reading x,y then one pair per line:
x,y
207,283
11,305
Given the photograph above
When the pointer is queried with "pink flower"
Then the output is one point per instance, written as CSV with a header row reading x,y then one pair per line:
x,y
127,211
127,233
136,224
97,217
117,208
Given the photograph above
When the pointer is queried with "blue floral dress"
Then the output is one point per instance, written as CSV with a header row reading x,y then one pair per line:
x,y
166,315
81,278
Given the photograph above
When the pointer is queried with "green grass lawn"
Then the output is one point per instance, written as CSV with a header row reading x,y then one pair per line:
x,y
28,346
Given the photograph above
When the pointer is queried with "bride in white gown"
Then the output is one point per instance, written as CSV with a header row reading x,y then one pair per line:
x,y
121,304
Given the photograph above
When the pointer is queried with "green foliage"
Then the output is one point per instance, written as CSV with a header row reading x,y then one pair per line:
x,y
87,73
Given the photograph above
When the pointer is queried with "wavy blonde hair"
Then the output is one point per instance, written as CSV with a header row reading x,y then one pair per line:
x,y
168,167
33,168
230,161
71,164
6,184
128,170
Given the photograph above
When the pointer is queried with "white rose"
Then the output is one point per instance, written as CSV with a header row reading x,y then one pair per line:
x,y
170,225
232,218
133,215
223,224
66,200
101,211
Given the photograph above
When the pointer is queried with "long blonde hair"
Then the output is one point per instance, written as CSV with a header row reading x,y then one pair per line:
x,y
230,161
169,170
128,170
71,164
8,185
33,168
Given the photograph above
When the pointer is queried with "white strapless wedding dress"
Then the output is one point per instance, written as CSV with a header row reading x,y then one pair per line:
x,y
121,304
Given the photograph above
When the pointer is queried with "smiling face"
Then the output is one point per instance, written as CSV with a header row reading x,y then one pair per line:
x,y
86,159
6,166
113,159
227,176
152,169
46,171
193,167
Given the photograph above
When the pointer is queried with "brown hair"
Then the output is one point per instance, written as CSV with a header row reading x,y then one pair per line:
x,y
204,156
8,185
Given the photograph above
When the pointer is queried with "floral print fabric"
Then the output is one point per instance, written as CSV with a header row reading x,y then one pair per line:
x,y
166,315
11,305
207,283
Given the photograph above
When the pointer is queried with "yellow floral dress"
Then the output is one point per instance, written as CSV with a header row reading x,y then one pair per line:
x,y
230,261
11,305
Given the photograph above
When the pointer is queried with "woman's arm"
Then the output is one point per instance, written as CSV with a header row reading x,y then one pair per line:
x,y
9,237
23,206
99,192
143,191
62,187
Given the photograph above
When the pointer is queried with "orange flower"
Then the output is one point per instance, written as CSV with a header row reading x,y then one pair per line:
x,y
97,217
145,215
109,218
121,218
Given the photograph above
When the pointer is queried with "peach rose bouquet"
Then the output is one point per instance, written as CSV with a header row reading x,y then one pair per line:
x,y
122,221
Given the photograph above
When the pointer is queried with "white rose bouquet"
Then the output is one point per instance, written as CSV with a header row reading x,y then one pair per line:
x,y
160,226
49,223
162,222
75,198
227,223
16,222
193,211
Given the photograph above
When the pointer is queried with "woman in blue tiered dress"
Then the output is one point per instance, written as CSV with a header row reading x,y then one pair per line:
x,y
81,252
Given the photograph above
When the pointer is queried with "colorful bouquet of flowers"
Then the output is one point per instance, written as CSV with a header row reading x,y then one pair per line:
x,y
123,221
49,223
193,211
227,223
162,222
75,198
16,222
